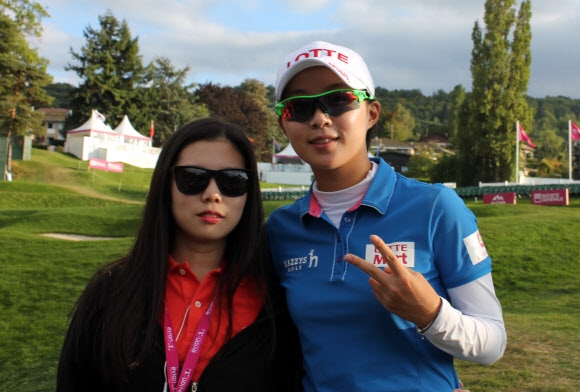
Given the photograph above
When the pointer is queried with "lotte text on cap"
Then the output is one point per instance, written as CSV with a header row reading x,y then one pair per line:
x,y
344,62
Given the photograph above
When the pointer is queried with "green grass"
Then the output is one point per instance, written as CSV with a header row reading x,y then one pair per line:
x,y
537,279
536,273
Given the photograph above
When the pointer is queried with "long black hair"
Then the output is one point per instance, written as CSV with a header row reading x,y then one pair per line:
x,y
129,320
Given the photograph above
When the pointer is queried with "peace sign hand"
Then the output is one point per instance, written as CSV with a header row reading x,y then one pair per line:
x,y
399,289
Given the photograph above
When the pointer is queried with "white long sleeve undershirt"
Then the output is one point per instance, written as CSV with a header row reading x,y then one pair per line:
x,y
470,325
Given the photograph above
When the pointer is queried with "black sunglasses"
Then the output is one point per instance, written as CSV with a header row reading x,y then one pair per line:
x,y
334,103
192,180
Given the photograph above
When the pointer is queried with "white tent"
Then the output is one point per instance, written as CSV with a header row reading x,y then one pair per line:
x,y
287,152
95,123
126,129
78,139
288,156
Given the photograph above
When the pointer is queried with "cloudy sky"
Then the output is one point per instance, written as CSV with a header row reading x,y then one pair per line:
x,y
407,44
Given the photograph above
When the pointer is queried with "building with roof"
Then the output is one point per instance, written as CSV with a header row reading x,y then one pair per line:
x,y
395,152
438,139
53,124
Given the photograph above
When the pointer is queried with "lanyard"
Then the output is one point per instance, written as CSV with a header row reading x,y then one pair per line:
x,y
177,381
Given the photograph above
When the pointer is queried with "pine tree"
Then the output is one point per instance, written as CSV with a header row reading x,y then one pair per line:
x,y
110,69
500,68
168,101
23,73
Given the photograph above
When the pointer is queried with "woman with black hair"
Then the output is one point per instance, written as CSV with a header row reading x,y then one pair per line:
x,y
193,306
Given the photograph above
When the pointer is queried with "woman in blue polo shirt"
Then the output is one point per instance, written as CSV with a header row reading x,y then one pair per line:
x,y
386,278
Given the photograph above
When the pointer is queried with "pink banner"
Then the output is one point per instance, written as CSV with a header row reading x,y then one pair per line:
x,y
116,167
101,164
552,197
499,198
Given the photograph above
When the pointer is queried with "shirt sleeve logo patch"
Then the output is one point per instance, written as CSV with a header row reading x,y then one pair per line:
x,y
475,248
405,251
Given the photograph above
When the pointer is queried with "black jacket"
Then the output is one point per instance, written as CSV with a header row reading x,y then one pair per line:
x,y
245,363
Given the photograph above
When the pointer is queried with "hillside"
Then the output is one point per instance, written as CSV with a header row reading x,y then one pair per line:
x,y
66,171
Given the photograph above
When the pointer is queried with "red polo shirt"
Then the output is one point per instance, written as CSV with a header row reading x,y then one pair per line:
x,y
185,290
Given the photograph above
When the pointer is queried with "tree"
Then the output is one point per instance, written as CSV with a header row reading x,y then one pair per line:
x,y
257,92
167,101
111,71
500,70
457,100
445,170
420,166
22,72
26,14
236,106
402,124
576,161
550,145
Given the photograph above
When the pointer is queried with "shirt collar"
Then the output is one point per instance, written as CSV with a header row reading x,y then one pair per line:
x,y
377,196
174,265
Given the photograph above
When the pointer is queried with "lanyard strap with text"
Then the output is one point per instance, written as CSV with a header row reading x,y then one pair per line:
x,y
177,381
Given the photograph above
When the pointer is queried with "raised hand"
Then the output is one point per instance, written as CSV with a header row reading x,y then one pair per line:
x,y
399,289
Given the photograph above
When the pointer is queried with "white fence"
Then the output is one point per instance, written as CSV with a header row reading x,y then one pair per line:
x,y
278,173
531,181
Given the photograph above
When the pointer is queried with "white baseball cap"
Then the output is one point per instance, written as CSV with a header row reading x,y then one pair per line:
x,y
344,62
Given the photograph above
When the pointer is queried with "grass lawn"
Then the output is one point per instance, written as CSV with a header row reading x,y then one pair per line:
x,y
537,279
536,273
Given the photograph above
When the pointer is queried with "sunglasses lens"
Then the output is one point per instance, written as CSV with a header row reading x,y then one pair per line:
x,y
339,102
298,109
334,103
191,180
233,182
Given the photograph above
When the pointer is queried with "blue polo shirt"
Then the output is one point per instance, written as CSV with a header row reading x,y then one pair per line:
x,y
349,340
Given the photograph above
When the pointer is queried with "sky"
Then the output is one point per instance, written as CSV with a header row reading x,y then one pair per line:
x,y
407,44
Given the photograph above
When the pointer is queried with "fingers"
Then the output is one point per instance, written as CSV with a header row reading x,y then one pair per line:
x,y
399,289
393,262
395,266
370,269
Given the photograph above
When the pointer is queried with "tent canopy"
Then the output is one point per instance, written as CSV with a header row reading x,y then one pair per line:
x,y
287,152
125,128
94,123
